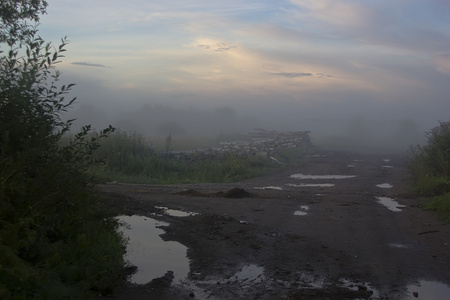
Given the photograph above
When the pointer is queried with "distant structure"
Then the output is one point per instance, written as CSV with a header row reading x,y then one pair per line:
x,y
263,141
259,141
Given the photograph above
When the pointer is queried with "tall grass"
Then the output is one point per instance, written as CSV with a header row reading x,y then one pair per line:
x,y
193,142
129,158
430,169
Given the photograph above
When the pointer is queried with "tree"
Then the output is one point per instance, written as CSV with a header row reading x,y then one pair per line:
x,y
14,15
53,242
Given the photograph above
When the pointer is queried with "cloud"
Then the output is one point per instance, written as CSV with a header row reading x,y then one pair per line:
x,y
85,64
442,62
219,47
294,75
395,25
344,14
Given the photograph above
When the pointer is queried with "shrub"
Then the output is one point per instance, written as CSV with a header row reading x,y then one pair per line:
x,y
430,164
54,244
430,169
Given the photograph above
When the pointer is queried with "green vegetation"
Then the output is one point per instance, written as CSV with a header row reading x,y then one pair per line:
x,y
430,167
193,142
54,244
128,158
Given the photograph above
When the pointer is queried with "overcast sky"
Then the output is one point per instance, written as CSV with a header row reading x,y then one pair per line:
x,y
311,59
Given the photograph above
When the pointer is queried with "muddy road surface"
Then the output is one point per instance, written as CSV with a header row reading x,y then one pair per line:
x,y
336,226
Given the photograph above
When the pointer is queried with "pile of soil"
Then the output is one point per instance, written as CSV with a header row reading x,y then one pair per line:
x,y
235,192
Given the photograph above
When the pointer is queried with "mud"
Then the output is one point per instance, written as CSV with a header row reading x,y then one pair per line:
x,y
346,246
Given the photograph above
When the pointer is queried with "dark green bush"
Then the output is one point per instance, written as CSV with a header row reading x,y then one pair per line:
x,y
430,169
430,164
54,244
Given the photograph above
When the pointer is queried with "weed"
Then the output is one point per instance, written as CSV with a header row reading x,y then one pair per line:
x,y
129,158
441,204
430,169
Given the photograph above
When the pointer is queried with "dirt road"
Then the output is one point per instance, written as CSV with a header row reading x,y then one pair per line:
x,y
357,235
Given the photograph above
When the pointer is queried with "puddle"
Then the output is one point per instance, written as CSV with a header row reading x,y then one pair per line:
x,y
278,188
300,213
348,284
386,160
398,246
311,185
427,290
303,211
308,281
250,273
390,203
318,155
176,213
350,166
153,256
387,167
303,176
384,185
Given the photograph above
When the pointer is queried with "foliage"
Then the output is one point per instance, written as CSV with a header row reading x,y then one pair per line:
x,y
54,244
430,168
13,19
441,204
128,158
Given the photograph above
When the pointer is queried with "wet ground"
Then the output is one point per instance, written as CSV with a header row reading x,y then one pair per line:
x,y
338,226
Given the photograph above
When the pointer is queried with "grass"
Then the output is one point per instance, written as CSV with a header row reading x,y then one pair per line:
x,y
192,143
128,158
440,204
430,169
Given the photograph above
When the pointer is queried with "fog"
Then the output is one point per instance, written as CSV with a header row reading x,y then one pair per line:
x,y
340,125
364,75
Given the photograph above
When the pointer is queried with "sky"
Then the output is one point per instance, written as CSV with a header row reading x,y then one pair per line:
x,y
314,65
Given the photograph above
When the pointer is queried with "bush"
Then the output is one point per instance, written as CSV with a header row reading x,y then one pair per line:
x,y
430,169
430,164
54,244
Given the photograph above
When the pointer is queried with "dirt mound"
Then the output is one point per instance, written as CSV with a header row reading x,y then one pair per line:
x,y
233,193
192,193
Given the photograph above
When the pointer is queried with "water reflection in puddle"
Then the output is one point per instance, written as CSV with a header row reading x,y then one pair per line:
x,y
247,274
153,256
277,188
176,213
384,185
354,286
390,203
398,246
303,176
311,185
428,290
303,211
250,273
